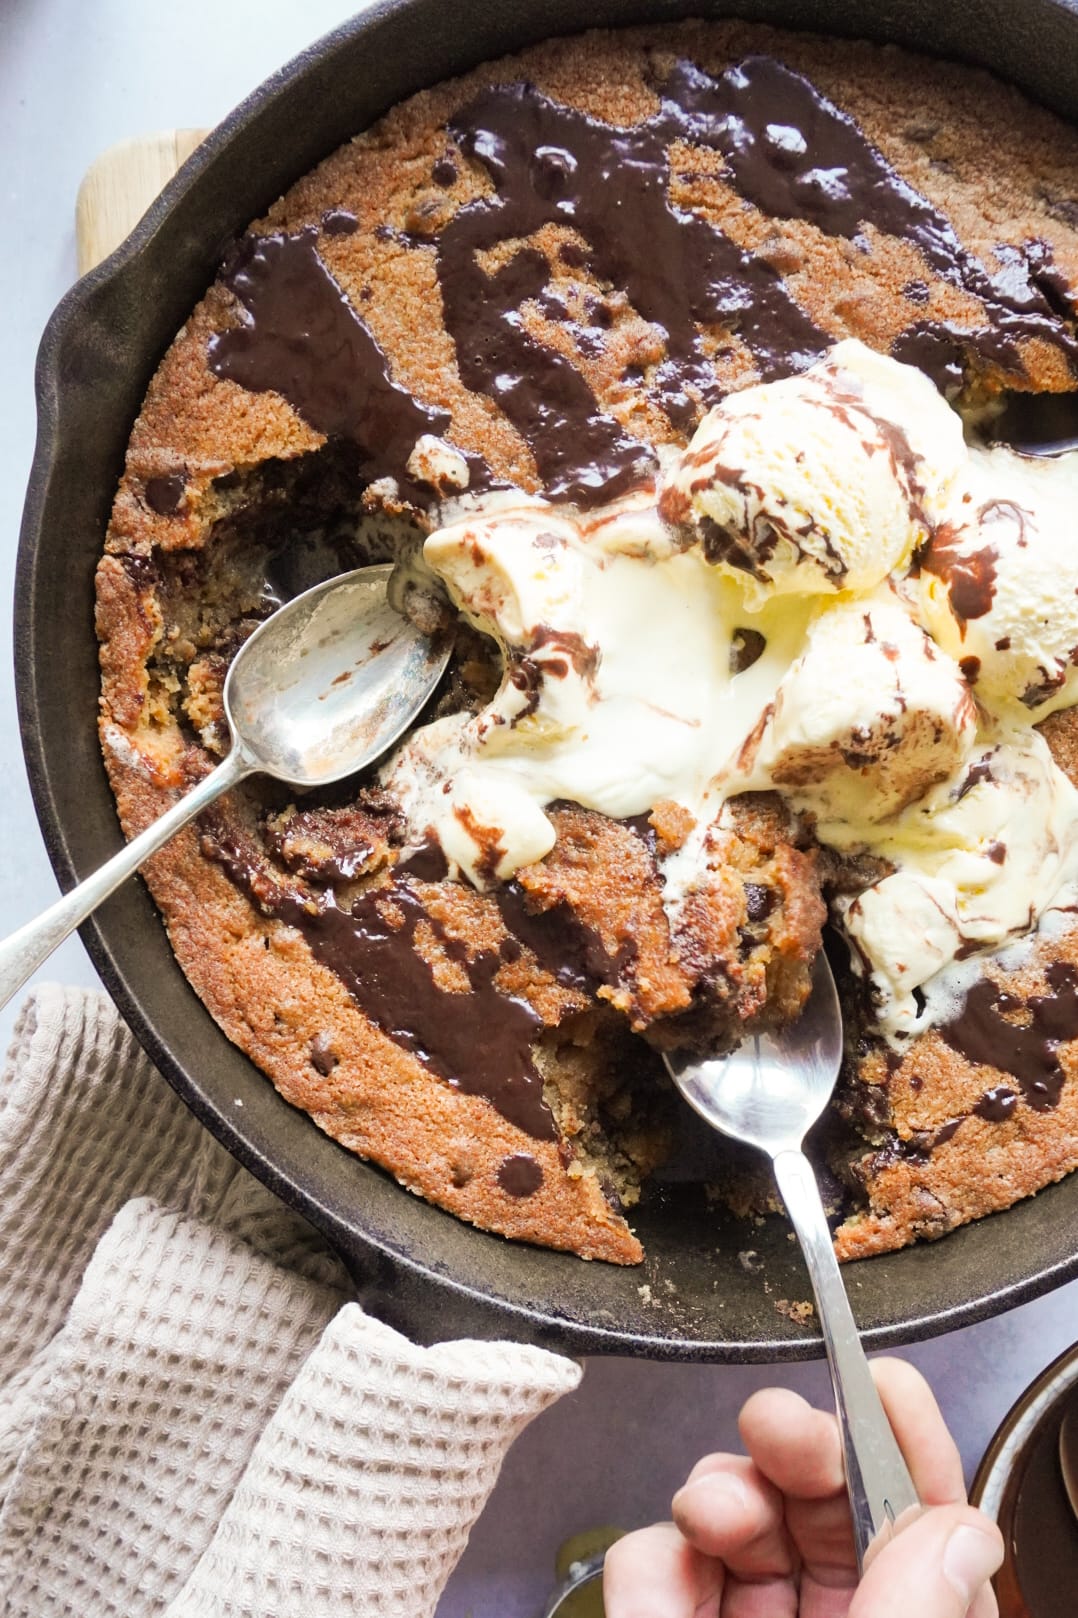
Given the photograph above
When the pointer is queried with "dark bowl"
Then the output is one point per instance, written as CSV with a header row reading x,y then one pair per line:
x,y
414,1265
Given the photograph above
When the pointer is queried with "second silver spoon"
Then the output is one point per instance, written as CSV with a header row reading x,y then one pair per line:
x,y
768,1093
319,691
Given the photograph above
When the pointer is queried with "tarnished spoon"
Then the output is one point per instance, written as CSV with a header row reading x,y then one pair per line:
x,y
320,690
768,1093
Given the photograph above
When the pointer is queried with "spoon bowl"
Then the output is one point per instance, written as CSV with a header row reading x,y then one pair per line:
x,y
771,1090
329,682
320,690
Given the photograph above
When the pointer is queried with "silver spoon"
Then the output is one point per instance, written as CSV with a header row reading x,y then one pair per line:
x,y
768,1093
320,690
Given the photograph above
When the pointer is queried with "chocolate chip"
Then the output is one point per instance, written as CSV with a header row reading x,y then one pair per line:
x,y
323,1056
165,494
339,222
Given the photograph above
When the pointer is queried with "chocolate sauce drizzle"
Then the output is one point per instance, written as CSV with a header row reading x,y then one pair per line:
x,y
970,577
480,1043
551,164
788,150
301,338
795,155
982,1033
997,1104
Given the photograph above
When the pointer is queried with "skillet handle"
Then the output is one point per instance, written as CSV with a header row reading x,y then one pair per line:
x,y
24,951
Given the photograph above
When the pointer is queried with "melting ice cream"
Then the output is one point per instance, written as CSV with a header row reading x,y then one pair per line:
x,y
829,595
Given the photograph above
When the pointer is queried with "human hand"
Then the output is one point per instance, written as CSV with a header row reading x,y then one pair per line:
x,y
769,1535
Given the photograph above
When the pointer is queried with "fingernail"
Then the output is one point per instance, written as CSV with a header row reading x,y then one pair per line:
x,y
969,1558
711,1489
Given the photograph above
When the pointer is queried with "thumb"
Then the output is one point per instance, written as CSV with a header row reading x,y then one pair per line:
x,y
937,1567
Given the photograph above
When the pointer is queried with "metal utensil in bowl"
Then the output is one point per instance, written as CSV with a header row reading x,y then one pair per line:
x,y
320,690
768,1093
1068,1455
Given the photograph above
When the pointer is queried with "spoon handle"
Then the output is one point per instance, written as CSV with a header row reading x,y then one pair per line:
x,y
23,952
878,1480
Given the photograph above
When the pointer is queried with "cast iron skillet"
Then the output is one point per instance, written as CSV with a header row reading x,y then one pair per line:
x,y
709,1287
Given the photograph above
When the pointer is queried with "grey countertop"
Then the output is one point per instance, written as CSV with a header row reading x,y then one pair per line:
x,y
74,78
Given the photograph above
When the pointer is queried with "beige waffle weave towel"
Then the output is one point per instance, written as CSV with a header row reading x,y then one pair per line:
x,y
193,1418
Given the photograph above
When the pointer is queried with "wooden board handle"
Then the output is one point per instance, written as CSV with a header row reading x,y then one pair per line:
x,y
119,186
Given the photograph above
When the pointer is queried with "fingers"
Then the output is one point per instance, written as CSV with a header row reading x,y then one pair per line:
x,y
750,1523
656,1573
931,1453
793,1445
945,1559
728,1509
797,1448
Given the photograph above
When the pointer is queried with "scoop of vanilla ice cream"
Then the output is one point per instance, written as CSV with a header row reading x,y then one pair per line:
x,y
975,864
820,482
869,717
509,569
620,685
999,581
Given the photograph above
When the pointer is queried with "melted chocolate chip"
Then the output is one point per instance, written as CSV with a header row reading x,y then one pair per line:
x,y
1040,690
746,647
141,570
640,826
339,222
759,901
323,1057
520,1175
981,771
572,952
427,863
444,172
946,1131
971,667
372,948
165,494
300,337
1030,1051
